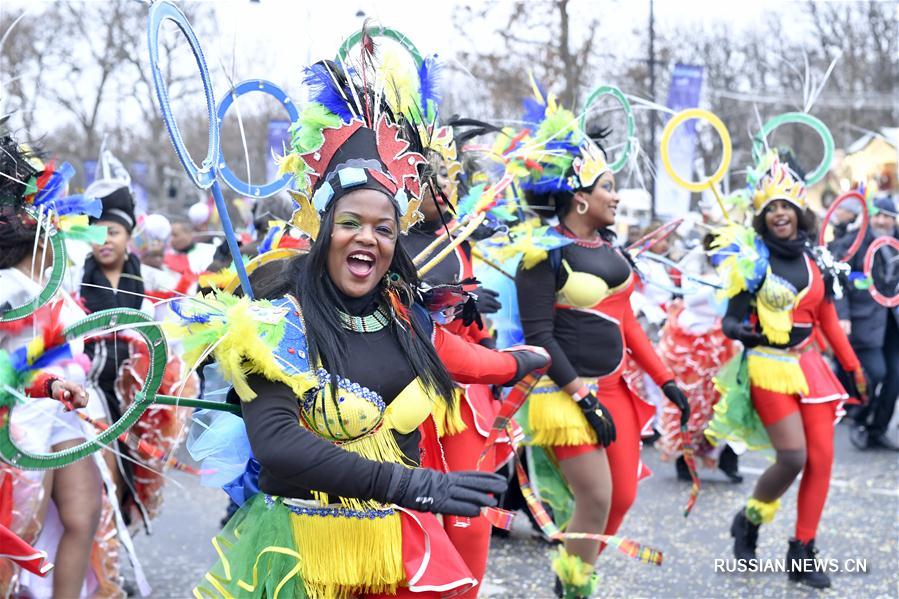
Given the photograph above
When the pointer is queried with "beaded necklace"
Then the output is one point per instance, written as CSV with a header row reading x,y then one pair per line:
x,y
370,323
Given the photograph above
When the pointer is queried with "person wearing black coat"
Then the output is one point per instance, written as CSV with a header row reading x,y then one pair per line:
x,y
874,329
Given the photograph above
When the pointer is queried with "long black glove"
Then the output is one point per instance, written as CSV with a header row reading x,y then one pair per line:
x,y
486,300
677,397
527,361
455,493
742,332
599,418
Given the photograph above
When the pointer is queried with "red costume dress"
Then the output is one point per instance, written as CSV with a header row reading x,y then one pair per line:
x,y
580,312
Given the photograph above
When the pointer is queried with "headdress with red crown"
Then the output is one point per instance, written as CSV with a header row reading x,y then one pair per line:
x,y
350,137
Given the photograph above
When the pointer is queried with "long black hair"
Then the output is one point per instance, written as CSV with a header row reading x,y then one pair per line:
x,y
326,337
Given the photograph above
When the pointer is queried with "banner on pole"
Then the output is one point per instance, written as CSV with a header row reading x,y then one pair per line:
x,y
686,86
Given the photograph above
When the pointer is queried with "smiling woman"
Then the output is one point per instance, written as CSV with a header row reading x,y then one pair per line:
x,y
574,302
336,377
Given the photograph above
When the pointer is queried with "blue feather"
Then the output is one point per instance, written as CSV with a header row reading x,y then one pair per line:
x,y
53,355
324,90
428,86
78,204
534,112
266,244
178,309
55,186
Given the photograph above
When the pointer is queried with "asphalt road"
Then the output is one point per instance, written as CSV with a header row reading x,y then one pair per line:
x,y
860,522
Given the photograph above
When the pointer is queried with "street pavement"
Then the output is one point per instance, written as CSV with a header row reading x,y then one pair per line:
x,y
861,521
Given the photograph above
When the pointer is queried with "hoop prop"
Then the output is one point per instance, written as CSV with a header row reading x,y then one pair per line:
x,y
385,32
727,149
203,176
97,322
611,90
799,118
58,253
856,196
231,179
653,237
883,300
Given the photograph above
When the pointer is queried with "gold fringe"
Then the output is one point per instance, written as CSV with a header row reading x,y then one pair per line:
x,y
554,419
380,446
344,557
761,512
776,370
449,418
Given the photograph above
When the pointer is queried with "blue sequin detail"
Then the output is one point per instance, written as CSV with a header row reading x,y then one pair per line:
x,y
324,379
333,512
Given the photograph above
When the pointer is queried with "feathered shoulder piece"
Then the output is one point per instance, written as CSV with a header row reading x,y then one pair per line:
x,y
740,257
246,337
532,243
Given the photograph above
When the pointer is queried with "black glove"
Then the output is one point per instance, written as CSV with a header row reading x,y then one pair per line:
x,y
455,493
599,418
486,300
677,397
527,361
745,334
469,314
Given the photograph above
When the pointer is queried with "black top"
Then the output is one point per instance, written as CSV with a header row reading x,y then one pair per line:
x,y
294,460
580,344
794,269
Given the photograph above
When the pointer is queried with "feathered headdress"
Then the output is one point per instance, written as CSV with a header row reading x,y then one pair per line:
x,y
30,189
553,153
774,179
361,129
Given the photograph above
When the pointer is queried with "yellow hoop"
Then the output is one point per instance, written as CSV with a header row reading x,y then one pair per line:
x,y
674,123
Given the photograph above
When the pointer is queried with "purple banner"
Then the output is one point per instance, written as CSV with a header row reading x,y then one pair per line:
x,y
683,93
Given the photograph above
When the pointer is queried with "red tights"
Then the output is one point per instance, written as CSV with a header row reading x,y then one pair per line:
x,y
818,429
462,451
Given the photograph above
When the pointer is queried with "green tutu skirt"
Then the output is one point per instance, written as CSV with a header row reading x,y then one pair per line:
x,y
257,555
735,417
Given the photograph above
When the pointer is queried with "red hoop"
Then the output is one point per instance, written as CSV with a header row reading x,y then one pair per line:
x,y
889,302
854,195
653,237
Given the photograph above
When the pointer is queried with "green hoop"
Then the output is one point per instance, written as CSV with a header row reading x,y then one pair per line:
x,y
800,118
387,32
611,90
99,321
58,253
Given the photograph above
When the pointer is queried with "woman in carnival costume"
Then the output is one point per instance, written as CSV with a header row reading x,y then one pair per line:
x,y
344,510
573,291
35,355
780,392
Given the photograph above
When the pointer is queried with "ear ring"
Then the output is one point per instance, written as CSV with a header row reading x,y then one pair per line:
x,y
582,207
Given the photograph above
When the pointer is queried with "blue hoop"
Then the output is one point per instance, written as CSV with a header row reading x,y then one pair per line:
x,y
232,180
203,177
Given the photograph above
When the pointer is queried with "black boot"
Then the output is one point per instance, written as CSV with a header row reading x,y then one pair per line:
x,y
683,472
746,536
729,464
799,551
